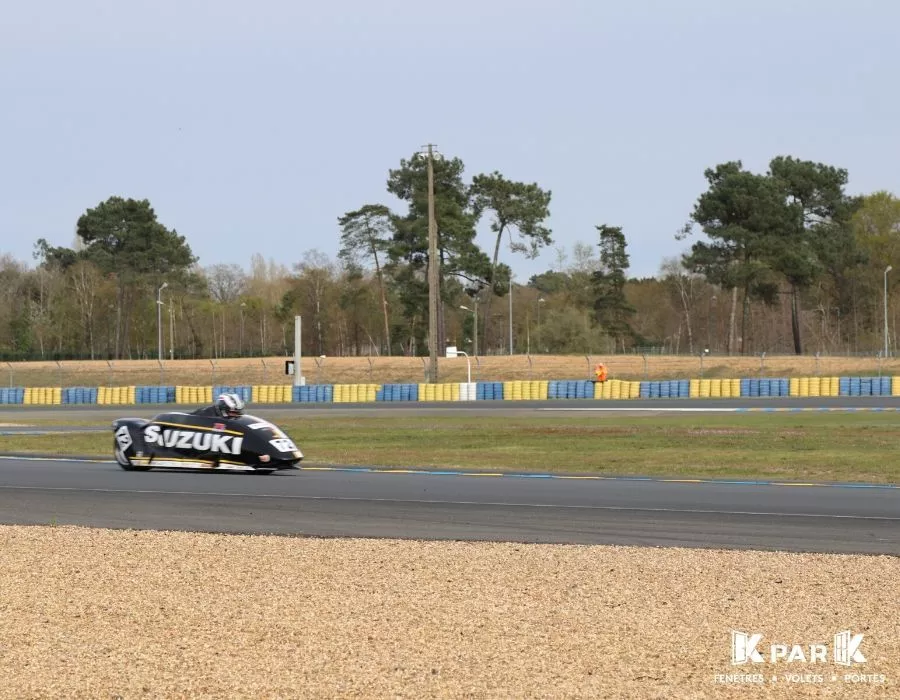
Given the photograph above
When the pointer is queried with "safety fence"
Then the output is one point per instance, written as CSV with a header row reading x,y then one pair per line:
x,y
525,390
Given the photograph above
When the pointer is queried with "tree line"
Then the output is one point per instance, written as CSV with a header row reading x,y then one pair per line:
x,y
788,262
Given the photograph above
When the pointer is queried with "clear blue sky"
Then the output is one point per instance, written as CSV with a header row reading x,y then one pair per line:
x,y
252,126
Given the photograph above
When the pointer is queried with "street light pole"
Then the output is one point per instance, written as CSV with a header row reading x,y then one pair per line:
x,y
433,271
159,352
540,332
886,270
475,314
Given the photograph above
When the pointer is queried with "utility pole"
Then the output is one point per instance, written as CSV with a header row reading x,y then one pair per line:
x,y
434,277
510,315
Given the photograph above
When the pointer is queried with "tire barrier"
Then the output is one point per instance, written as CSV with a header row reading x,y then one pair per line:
x,y
194,394
674,389
493,391
155,394
43,395
245,392
398,392
439,392
315,393
79,394
355,393
617,389
12,395
577,389
526,390
518,390
272,393
116,395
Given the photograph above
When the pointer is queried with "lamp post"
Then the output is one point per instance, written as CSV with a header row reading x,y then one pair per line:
x,y
540,333
159,354
886,270
475,313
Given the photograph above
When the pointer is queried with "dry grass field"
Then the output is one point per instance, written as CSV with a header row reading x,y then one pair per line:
x,y
381,370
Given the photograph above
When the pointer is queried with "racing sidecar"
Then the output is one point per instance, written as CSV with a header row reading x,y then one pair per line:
x,y
181,440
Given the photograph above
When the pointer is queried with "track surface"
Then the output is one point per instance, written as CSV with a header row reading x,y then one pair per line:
x,y
428,506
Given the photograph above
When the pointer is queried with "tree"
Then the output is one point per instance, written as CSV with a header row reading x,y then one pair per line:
x,y
367,232
124,239
814,197
460,256
611,307
518,207
681,284
226,282
739,213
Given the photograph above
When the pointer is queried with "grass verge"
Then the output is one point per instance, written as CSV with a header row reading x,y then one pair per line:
x,y
814,447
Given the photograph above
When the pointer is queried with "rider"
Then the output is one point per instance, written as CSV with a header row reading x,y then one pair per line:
x,y
226,406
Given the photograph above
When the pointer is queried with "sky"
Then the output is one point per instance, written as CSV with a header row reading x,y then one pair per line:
x,y
251,127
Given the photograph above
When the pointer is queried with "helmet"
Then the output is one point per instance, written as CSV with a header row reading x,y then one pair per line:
x,y
229,405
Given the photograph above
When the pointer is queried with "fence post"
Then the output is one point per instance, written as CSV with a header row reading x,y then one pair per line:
x,y
530,366
817,363
880,360
111,371
213,363
589,359
320,360
162,380
424,368
266,370
762,363
369,358
59,367
646,369
9,364
701,365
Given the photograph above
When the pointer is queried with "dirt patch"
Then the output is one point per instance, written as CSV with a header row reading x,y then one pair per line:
x,y
92,613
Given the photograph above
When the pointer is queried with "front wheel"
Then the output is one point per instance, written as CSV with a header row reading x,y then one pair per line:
x,y
125,462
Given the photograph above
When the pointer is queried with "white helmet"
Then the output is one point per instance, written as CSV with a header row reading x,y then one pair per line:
x,y
230,405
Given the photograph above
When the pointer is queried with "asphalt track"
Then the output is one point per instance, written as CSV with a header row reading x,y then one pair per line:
x,y
353,502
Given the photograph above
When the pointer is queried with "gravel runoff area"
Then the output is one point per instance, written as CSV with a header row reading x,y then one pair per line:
x,y
91,613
